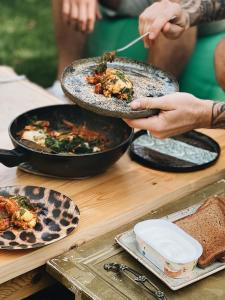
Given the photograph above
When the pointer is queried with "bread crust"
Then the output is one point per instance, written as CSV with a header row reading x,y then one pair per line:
x,y
207,225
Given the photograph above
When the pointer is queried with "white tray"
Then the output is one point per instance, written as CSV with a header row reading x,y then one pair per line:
x,y
127,241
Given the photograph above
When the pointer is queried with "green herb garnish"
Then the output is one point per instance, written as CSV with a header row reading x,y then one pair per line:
x,y
22,201
102,66
22,211
121,75
76,145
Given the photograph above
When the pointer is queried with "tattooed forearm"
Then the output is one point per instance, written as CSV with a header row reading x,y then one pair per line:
x,y
201,11
218,115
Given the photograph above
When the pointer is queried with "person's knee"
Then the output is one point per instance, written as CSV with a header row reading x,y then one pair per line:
x,y
173,55
220,63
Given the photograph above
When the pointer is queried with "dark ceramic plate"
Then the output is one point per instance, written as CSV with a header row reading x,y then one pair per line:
x,y
148,82
58,216
191,151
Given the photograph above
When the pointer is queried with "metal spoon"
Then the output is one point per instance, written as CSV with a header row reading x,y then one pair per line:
x,y
35,146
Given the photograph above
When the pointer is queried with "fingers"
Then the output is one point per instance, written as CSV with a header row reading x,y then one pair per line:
x,y
157,26
162,103
155,125
172,31
147,42
158,127
74,16
157,18
66,10
83,16
148,123
179,112
91,7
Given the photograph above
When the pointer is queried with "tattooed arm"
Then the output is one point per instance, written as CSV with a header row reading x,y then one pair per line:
x,y
204,10
218,115
159,17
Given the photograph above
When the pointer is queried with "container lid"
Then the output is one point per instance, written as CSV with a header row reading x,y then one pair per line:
x,y
170,241
188,152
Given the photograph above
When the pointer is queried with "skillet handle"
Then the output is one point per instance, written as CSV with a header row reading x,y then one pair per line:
x,y
12,158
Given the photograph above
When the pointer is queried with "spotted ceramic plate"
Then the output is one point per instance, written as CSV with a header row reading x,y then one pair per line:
x,y
58,216
148,82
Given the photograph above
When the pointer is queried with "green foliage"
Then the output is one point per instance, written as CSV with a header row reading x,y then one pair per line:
x,y
76,145
27,39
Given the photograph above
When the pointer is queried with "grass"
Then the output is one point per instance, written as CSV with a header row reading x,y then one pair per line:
x,y
27,39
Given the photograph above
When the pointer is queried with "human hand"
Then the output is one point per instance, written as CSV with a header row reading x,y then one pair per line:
x,y
81,14
163,16
179,113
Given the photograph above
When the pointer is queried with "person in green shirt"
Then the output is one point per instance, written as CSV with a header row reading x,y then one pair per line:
x,y
75,19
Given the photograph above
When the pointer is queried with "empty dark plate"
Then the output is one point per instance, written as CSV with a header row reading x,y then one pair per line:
x,y
58,216
188,152
148,82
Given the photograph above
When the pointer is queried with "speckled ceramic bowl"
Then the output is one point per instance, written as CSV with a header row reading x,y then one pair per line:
x,y
148,82
58,216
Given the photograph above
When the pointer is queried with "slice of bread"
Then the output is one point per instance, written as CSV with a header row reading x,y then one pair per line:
x,y
208,201
207,225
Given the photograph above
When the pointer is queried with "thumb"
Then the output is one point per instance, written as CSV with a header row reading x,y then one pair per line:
x,y
161,103
172,31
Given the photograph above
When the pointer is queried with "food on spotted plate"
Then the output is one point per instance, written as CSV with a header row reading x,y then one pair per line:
x,y
16,211
207,225
67,138
109,81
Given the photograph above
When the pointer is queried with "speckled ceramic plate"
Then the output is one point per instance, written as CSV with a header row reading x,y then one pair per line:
x,y
58,216
148,82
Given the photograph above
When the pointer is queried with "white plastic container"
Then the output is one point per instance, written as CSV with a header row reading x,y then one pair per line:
x,y
168,247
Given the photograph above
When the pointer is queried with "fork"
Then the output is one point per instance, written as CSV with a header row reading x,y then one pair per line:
x,y
132,42
137,39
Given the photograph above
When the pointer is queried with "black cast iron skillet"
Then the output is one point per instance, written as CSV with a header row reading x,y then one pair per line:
x,y
63,165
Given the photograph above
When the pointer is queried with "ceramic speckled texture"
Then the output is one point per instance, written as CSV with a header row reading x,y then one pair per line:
x,y
147,80
58,216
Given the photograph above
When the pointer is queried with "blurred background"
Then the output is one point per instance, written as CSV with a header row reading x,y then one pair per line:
x,y
27,45
27,39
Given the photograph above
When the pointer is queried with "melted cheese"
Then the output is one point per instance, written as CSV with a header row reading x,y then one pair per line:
x,y
37,136
113,83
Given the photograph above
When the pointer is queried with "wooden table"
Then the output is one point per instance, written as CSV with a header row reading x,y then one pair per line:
x,y
126,192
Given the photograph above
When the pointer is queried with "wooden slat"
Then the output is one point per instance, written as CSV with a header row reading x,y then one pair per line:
x,y
25,285
125,192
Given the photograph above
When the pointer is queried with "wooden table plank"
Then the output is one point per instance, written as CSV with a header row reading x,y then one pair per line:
x,y
124,193
25,285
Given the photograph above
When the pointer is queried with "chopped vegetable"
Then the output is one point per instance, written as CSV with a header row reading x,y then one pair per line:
x,y
113,82
16,211
70,138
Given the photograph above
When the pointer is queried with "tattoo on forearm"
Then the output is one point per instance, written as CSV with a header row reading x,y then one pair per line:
x,y
218,115
204,10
